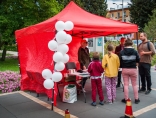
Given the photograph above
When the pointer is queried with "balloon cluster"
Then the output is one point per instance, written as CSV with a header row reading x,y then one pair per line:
x,y
60,57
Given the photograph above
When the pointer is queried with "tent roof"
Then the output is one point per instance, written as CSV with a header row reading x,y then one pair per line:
x,y
85,24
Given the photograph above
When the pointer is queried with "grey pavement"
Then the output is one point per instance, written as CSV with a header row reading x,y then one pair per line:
x,y
18,106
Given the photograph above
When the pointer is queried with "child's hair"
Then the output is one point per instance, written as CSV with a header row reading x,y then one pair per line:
x,y
110,47
96,55
128,42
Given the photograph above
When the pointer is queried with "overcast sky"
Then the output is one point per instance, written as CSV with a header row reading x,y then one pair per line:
x,y
111,5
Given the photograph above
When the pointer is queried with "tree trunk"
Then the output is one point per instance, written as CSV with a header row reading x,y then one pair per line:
x,y
3,54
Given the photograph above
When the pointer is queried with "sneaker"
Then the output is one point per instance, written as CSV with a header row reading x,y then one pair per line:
x,y
137,101
93,103
123,100
147,92
83,90
141,90
101,103
108,102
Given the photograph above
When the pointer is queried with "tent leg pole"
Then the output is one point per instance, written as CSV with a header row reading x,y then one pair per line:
x,y
52,100
138,67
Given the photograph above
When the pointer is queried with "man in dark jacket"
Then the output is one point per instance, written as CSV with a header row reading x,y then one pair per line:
x,y
117,51
84,58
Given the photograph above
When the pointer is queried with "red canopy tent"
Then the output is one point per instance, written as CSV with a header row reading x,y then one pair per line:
x,y
34,55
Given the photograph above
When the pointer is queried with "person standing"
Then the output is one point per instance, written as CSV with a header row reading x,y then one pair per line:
x,y
95,69
146,50
117,51
110,63
129,59
84,59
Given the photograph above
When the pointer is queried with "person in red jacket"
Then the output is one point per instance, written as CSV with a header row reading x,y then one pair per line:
x,y
95,69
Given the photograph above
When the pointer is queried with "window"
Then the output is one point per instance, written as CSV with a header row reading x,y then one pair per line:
x,y
118,15
112,14
124,13
124,20
90,42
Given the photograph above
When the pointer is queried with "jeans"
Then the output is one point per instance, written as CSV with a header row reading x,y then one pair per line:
x,y
144,71
130,74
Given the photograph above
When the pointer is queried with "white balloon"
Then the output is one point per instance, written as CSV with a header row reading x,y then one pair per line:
x,y
48,84
68,39
63,48
58,56
57,76
60,25
46,74
52,45
61,36
69,25
59,66
65,58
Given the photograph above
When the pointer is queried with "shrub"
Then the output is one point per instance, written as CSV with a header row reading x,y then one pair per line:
x,y
91,55
12,48
114,43
153,60
9,81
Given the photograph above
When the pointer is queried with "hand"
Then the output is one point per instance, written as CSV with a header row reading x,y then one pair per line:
x,y
142,53
84,68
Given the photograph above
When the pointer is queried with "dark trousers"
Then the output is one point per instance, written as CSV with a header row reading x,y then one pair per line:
x,y
119,77
144,71
83,82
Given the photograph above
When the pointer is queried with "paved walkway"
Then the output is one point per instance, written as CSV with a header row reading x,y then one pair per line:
x,y
27,105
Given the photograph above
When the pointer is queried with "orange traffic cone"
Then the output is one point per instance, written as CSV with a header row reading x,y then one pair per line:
x,y
67,114
128,110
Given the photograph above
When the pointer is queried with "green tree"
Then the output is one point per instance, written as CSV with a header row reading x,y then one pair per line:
x,y
98,7
17,14
150,27
66,2
140,11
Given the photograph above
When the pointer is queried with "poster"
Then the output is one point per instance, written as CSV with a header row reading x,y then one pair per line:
x,y
99,41
90,42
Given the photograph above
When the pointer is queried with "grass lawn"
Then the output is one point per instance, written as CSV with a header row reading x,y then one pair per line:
x,y
10,64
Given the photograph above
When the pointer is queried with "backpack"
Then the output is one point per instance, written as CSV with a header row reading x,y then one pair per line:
x,y
148,45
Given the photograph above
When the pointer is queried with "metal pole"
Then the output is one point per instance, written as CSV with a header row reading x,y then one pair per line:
x,y
122,12
138,67
52,99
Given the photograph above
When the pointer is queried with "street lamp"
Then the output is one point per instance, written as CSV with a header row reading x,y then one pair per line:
x,y
116,5
122,10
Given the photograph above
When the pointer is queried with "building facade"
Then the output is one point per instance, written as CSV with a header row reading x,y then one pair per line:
x,y
117,14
